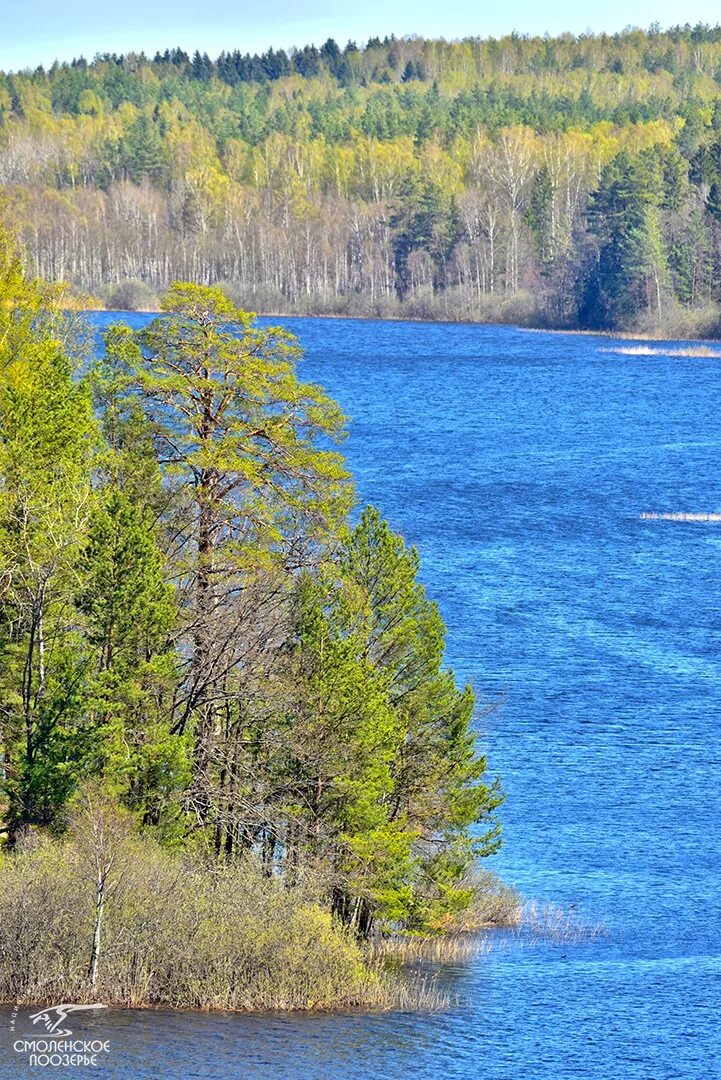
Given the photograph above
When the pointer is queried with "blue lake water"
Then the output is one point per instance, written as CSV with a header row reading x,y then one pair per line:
x,y
519,464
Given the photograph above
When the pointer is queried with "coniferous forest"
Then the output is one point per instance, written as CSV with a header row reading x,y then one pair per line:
x,y
217,688
572,182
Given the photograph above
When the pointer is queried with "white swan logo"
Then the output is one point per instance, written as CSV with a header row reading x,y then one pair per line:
x,y
56,1015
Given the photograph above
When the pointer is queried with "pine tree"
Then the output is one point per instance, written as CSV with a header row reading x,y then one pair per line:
x,y
129,615
142,151
713,201
387,779
236,431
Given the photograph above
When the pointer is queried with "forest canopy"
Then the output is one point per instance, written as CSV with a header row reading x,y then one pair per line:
x,y
564,181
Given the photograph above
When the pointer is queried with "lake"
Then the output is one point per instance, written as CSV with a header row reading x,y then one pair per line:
x,y
519,463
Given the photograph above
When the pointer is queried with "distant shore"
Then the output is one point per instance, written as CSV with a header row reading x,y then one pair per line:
x,y
619,335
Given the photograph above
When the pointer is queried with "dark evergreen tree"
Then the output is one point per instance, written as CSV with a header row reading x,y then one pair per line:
x,y
201,67
630,266
142,153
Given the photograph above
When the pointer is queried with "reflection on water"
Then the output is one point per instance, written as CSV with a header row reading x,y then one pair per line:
x,y
520,465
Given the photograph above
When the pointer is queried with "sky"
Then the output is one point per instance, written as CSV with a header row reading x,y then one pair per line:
x,y
36,32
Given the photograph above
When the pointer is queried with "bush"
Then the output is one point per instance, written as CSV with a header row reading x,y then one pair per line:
x,y
131,295
677,322
494,904
173,934
182,935
451,305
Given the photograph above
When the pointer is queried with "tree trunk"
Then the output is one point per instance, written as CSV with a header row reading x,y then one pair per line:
x,y
99,905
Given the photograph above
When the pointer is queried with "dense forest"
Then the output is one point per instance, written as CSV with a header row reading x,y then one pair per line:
x,y
194,630
570,181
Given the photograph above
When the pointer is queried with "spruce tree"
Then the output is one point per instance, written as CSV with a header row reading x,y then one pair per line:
x,y
47,439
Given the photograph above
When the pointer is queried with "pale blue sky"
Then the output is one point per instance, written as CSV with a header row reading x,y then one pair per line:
x,y
40,31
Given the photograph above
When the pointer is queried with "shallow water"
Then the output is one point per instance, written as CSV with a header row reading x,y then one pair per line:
x,y
520,463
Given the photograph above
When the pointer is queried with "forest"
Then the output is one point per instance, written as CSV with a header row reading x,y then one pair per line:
x,y
565,182
222,685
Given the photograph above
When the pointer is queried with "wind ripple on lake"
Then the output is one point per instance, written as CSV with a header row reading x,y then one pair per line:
x,y
519,464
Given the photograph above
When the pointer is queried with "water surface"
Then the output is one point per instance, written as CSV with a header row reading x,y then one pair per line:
x,y
519,464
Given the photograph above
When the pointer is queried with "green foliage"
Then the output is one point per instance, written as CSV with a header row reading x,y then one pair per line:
x,y
425,220
411,177
189,623
129,610
47,435
141,151
124,596
231,416
385,762
631,257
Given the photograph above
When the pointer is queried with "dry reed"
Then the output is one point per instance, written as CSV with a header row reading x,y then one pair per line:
x,y
680,516
702,351
550,922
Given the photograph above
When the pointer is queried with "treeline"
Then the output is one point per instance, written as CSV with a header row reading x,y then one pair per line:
x,y
467,180
189,619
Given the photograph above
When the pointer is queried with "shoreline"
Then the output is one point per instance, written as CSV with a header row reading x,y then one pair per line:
x,y
391,961
389,969
618,335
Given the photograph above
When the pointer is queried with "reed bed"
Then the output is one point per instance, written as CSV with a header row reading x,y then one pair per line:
x,y
702,351
535,923
443,949
680,516
551,922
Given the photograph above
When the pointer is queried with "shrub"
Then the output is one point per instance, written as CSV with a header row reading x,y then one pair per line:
x,y
131,295
180,934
